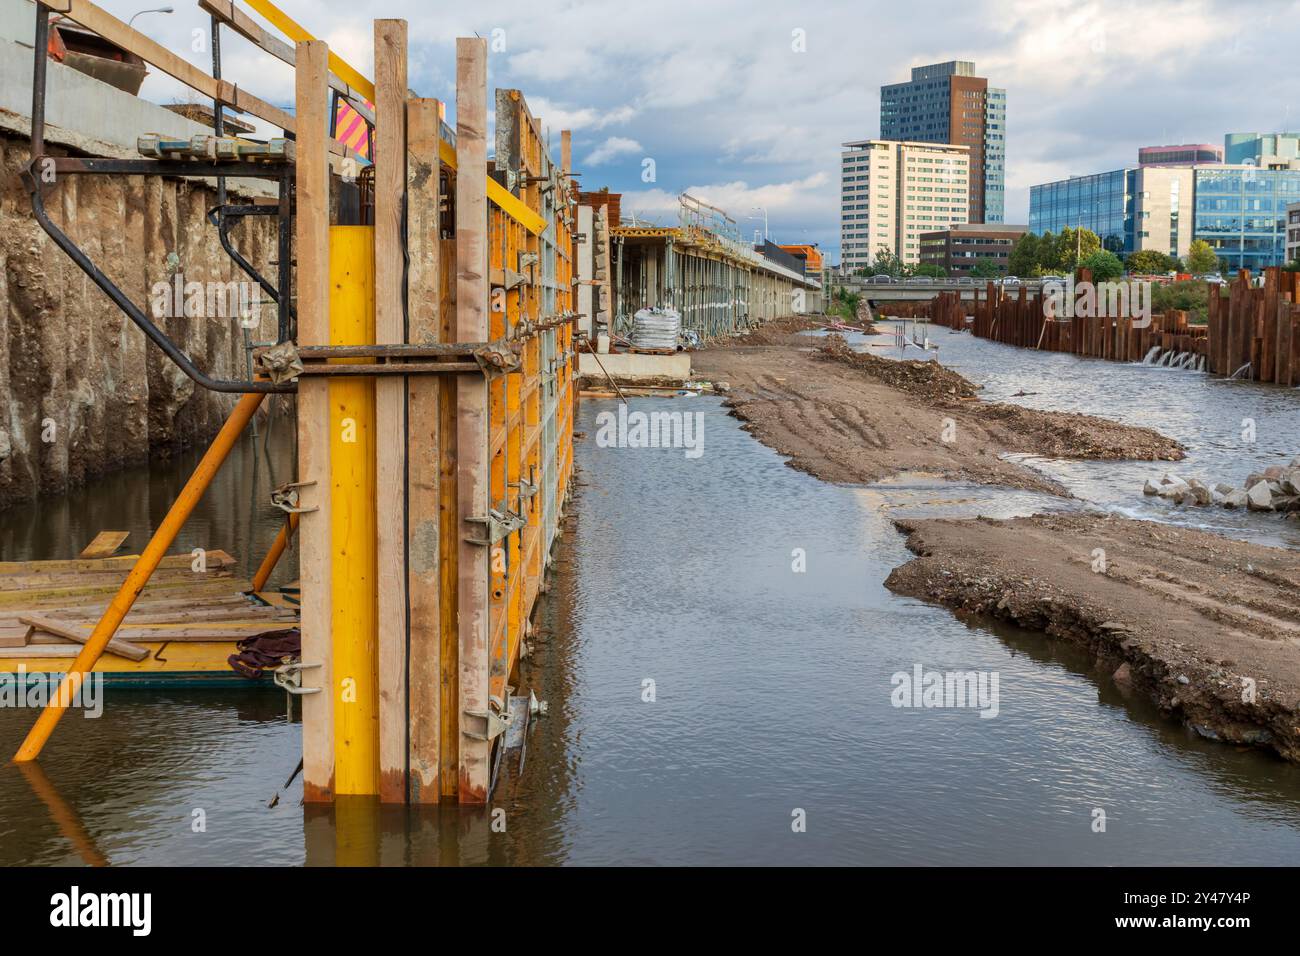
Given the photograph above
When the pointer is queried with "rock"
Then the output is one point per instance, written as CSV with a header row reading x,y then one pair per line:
x,y
1123,674
1259,497
1235,499
1290,481
1150,488
1223,489
1197,493
1183,679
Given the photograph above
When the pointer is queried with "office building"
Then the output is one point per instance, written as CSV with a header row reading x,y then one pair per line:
x,y
1149,207
891,192
958,248
1242,212
948,103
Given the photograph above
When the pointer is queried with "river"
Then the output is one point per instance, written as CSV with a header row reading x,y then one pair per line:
x,y
771,685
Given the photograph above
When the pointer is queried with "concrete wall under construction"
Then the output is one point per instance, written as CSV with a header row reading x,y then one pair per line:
x,y
87,393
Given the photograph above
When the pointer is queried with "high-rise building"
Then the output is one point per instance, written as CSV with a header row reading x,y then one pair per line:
x,y
948,103
891,192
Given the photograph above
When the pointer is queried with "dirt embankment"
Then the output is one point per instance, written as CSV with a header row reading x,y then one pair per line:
x,y
86,392
852,417
1208,627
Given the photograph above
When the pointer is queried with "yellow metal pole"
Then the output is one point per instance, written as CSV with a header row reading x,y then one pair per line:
x,y
277,549
135,581
352,518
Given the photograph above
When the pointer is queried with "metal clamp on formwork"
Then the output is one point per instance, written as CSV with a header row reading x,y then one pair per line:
x,y
497,357
286,498
494,722
499,525
513,280
289,677
281,363
526,488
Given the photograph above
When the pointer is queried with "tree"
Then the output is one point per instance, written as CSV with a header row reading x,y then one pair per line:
x,y
1105,266
986,269
929,269
1150,262
1072,246
1201,257
887,264
1024,254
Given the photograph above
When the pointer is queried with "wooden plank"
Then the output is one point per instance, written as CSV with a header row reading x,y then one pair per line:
x,y
424,408
311,236
122,563
104,545
472,413
390,404
448,541
14,633
42,652
118,645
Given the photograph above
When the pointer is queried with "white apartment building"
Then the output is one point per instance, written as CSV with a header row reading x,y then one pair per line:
x,y
892,191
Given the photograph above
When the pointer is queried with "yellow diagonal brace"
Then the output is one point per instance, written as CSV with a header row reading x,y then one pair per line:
x,y
498,194
296,32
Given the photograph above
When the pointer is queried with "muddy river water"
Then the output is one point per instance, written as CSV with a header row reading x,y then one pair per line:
x,y
751,596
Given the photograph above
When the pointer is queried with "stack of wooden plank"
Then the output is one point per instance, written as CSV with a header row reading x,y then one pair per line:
x,y
49,608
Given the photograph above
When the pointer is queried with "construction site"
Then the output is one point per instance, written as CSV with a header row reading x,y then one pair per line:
x,y
390,492
425,298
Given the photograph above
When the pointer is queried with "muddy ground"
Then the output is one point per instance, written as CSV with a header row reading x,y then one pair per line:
x,y
1208,627
854,418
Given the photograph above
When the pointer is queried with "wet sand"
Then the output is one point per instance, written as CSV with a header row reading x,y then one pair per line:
x,y
848,417
1194,620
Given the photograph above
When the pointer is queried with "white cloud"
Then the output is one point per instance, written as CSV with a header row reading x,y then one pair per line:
x,y
612,148
723,100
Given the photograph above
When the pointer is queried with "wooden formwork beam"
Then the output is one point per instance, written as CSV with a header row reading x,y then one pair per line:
x,y
311,244
391,404
424,454
472,418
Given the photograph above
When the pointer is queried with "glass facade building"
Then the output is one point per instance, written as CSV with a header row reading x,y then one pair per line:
x,y
1241,213
1102,202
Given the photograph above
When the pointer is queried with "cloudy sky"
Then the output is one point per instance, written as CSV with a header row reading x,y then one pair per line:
x,y
732,108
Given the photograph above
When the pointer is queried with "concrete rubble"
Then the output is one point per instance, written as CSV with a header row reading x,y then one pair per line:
x,y
1276,488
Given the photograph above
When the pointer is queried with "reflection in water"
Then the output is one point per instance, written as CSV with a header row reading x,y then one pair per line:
x,y
772,692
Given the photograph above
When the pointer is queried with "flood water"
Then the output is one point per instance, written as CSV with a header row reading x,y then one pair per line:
x,y
771,686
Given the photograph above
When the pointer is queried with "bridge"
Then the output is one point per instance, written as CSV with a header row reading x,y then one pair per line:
x,y
912,290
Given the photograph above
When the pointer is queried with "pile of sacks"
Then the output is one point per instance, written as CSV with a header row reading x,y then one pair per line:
x,y
1276,488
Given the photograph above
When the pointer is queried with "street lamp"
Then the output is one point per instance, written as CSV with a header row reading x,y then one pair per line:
x,y
143,12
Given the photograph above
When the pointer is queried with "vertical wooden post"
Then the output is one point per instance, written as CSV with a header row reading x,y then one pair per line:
x,y
424,409
390,404
311,245
472,415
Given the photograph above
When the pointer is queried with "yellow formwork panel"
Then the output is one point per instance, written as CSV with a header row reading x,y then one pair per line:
x,y
352,474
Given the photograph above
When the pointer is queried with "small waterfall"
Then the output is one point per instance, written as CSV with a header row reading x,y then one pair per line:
x,y
1237,374
1151,355
1185,359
